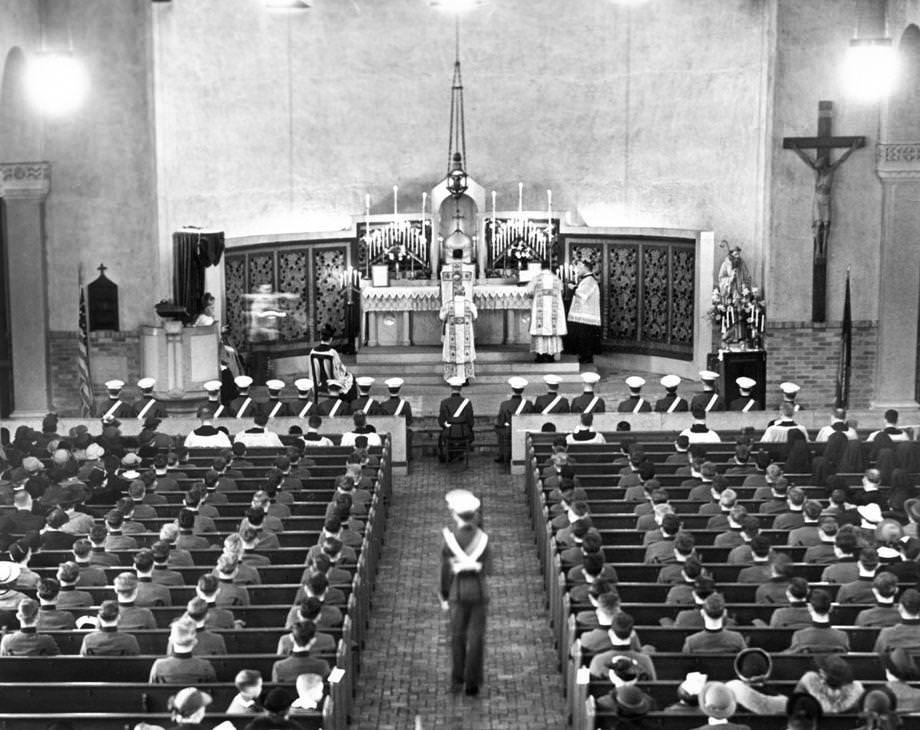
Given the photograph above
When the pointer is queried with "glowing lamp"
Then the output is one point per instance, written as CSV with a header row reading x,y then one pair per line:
x,y
870,68
56,82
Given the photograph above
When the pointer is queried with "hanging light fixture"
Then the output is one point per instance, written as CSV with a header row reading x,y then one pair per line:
x,y
56,78
870,67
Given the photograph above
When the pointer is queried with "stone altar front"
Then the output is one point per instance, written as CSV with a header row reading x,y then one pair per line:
x,y
408,314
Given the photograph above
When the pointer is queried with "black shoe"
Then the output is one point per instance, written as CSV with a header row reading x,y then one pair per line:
x,y
499,460
472,690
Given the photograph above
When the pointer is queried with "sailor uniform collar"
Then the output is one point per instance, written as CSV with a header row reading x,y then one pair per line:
x,y
206,430
29,630
699,428
108,629
66,588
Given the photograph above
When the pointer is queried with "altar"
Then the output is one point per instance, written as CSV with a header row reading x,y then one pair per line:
x,y
407,314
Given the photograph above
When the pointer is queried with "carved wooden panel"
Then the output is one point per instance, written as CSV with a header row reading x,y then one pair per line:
x,y
647,291
329,300
234,288
292,279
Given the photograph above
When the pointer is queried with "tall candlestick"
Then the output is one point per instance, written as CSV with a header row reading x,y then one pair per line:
x,y
395,202
424,201
520,197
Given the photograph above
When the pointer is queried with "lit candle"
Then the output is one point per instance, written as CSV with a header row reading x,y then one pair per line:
x,y
549,212
424,201
520,197
395,202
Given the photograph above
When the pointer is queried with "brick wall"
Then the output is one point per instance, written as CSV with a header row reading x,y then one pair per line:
x,y
112,355
807,354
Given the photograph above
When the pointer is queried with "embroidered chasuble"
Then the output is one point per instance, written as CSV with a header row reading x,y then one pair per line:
x,y
458,351
547,314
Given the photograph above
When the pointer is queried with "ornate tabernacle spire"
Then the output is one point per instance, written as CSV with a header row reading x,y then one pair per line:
x,y
457,182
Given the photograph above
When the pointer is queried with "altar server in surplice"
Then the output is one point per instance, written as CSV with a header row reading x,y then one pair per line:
x,y
584,319
547,316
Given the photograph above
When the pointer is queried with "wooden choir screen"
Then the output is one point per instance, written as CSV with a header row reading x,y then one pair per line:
x,y
313,270
647,291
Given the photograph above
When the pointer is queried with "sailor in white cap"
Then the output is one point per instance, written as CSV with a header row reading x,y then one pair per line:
x,y
364,402
243,406
516,405
465,563
455,417
708,397
745,401
274,407
790,393
588,401
551,401
304,405
150,407
671,402
395,405
113,405
635,403
336,404
218,409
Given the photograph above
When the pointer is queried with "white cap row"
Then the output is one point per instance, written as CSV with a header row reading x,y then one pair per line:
x,y
301,384
143,384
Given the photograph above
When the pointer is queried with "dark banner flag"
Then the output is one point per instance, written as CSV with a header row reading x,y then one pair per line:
x,y
842,397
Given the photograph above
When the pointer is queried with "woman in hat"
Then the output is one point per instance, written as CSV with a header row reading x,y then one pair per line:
x,y
718,704
803,712
753,667
878,710
832,684
628,708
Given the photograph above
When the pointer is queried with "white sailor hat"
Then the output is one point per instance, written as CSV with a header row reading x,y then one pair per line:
x,y
9,571
303,385
456,381
242,381
870,512
212,386
394,383
364,381
635,382
789,388
745,383
275,385
590,378
670,381
114,384
461,501
552,380
333,384
517,382
708,376
146,383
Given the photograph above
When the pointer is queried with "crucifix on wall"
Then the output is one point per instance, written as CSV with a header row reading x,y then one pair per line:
x,y
824,171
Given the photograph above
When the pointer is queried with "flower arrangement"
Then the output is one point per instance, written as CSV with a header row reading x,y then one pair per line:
x,y
742,317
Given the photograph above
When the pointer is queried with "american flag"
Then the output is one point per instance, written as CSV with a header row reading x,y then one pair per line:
x,y
86,383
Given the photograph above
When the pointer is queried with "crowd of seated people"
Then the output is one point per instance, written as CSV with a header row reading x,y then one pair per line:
x,y
100,538
744,547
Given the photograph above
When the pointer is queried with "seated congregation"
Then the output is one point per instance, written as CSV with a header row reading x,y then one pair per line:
x,y
185,580
731,579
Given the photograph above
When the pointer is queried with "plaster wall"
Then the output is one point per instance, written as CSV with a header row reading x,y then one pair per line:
x,y
814,37
651,115
102,202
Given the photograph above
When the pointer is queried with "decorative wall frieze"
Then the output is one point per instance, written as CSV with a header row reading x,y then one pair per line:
x,y
25,180
898,160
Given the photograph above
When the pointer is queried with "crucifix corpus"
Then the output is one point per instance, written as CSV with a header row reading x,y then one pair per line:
x,y
824,171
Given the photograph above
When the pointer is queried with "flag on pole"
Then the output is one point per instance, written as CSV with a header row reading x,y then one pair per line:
x,y
86,383
844,361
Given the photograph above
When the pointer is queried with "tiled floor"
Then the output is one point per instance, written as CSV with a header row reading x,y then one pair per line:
x,y
404,668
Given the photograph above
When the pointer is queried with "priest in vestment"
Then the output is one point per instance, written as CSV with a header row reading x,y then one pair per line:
x,y
547,316
585,315
458,352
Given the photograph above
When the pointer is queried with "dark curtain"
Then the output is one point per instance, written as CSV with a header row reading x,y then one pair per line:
x,y
193,252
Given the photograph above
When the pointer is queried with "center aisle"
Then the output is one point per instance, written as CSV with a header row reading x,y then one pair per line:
x,y
405,664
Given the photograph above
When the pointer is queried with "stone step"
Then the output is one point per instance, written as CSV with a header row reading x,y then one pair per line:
x,y
502,355
432,373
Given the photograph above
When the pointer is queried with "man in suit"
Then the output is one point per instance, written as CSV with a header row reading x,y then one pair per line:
x,y
708,398
455,417
27,641
300,661
671,402
635,403
181,666
714,638
465,563
516,405
107,640
50,617
819,637
551,402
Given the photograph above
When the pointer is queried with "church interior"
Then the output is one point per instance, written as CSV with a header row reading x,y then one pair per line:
x,y
324,200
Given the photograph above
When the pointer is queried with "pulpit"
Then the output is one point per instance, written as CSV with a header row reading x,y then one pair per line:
x,y
180,358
